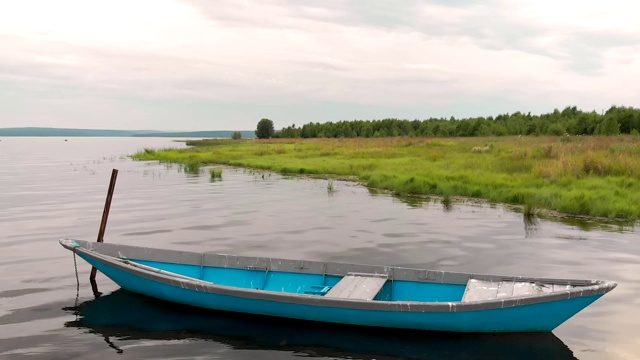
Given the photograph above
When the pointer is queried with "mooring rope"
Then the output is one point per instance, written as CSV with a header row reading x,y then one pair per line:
x,y
75,266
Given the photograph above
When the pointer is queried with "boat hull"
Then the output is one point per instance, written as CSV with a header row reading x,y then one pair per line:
x,y
537,317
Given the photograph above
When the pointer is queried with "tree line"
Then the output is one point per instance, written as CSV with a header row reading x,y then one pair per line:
x,y
570,121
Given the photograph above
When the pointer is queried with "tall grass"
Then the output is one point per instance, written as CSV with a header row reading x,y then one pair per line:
x,y
215,174
596,176
191,167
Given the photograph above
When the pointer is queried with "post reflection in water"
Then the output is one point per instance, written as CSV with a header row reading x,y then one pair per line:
x,y
123,315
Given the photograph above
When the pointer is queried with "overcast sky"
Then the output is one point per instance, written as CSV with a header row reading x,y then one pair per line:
x,y
224,65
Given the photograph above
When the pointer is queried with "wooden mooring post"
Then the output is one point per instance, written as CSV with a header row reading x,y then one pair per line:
x,y
103,224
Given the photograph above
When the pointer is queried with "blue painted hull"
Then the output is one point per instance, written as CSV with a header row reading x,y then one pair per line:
x,y
137,317
537,317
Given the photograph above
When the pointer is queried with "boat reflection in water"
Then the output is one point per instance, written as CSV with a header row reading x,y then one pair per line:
x,y
125,315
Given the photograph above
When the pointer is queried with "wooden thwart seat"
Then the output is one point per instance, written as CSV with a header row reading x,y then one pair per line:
x,y
478,290
358,286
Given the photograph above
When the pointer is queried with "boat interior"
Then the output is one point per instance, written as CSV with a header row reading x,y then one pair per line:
x,y
356,285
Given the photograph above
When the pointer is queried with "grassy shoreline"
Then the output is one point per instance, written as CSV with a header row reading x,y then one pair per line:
x,y
590,176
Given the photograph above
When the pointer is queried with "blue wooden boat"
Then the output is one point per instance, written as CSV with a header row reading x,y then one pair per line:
x,y
365,295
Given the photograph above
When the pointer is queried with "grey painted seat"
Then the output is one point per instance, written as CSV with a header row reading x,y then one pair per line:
x,y
478,290
358,286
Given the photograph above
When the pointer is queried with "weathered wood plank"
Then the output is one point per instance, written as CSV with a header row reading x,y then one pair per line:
x,y
478,290
523,288
545,288
505,290
557,287
358,286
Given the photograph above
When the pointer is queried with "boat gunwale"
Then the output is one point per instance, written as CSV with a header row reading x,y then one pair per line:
x,y
92,250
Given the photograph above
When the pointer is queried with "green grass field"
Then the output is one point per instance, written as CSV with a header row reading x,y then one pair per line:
x,y
593,176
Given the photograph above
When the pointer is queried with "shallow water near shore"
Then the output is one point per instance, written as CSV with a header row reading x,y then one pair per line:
x,y
52,188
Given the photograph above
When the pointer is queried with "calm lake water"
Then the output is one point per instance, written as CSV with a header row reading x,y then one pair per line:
x,y
52,188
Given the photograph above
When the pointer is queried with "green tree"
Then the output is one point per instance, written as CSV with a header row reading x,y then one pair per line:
x,y
571,120
608,127
236,135
309,130
265,129
556,129
367,130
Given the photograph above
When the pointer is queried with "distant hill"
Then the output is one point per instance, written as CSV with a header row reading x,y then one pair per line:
x,y
43,131
200,134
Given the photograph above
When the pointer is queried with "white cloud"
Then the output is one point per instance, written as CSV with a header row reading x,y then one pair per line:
x,y
118,24
619,16
422,59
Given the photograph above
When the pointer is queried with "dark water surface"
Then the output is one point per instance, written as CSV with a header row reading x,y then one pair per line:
x,y
52,188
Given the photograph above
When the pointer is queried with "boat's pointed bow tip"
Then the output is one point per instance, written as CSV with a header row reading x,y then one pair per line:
x,y
606,286
69,243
